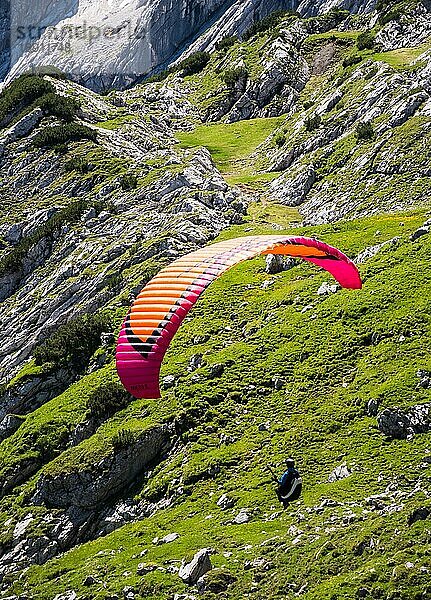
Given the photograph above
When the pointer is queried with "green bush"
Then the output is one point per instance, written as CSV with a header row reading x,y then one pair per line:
x,y
226,42
128,182
267,23
194,63
122,439
61,134
30,91
107,400
161,76
62,107
114,281
312,122
20,94
364,131
77,163
392,15
366,40
191,65
73,343
352,59
280,139
232,76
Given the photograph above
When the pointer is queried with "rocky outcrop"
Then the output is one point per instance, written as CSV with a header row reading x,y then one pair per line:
x,y
116,46
275,90
22,128
409,29
105,47
401,424
27,395
184,203
90,487
329,171
191,571
292,191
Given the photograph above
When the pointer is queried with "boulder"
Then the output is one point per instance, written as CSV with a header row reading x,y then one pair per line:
x,y
373,407
242,517
23,127
90,580
371,251
340,472
69,595
419,514
195,362
191,571
145,568
170,537
278,383
168,382
292,190
215,581
274,264
216,370
327,288
224,502
424,379
400,423
9,425
421,231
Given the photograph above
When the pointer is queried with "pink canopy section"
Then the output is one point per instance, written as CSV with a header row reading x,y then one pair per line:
x,y
162,305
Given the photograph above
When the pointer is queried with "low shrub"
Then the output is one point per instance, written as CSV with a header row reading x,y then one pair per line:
x,y
122,439
267,23
77,163
227,42
364,131
61,134
194,63
352,59
73,343
128,182
280,139
366,40
12,262
312,122
161,76
232,76
62,107
20,94
392,15
107,400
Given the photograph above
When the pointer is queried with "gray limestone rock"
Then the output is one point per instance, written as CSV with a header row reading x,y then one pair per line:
x,y
340,472
196,568
400,424
92,486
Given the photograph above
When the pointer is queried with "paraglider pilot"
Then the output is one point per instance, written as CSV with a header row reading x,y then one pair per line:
x,y
289,485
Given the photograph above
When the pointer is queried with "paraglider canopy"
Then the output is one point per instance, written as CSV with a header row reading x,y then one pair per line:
x,y
160,308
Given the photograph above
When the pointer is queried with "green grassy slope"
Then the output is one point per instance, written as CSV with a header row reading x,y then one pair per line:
x,y
348,348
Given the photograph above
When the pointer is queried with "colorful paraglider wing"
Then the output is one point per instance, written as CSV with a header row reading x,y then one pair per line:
x,y
160,308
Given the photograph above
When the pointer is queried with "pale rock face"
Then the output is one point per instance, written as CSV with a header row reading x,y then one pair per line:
x,y
107,44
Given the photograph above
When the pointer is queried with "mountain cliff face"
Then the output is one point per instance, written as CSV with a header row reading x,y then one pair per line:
x,y
103,46
316,126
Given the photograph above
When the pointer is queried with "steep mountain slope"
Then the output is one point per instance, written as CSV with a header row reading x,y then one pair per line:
x,y
103,496
104,45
